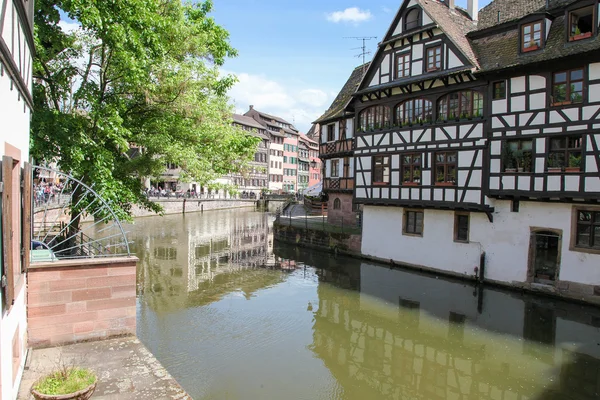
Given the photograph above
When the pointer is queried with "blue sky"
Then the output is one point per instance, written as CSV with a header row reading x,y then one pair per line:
x,y
293,54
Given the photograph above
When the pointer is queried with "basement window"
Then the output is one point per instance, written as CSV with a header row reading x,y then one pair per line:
x,y
581,23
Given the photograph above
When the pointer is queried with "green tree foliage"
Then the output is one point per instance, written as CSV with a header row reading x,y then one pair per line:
x,y
138,74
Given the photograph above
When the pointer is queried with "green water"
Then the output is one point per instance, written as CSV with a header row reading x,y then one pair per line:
x,y
233,315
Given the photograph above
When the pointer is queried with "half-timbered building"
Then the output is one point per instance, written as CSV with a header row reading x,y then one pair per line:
x,y
420,141
336,150
16,104
541,60
256,177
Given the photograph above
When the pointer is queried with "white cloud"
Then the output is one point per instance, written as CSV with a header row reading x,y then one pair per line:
x,y
296,105
352,14
68,27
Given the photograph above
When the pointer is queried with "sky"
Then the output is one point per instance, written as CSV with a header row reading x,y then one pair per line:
x,y
295,55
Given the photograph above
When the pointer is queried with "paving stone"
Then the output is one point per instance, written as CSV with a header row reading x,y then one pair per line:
x,y
125,369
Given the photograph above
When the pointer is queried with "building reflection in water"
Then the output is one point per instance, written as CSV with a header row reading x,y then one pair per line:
x,y
186,263
399,351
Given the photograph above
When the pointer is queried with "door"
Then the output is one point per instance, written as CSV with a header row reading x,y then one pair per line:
x,y
546,256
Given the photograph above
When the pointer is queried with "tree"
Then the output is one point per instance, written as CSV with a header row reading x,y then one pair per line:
x,y
138,76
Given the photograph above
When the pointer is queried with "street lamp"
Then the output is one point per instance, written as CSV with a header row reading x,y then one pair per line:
x,y
313,164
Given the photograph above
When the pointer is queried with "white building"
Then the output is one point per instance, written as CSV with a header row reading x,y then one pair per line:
x,y
468,166
16,103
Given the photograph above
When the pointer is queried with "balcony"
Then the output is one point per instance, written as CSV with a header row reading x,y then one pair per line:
x,y
339,147
338,184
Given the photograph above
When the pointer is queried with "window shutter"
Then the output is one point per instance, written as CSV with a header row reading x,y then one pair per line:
x,y
26,212
8,279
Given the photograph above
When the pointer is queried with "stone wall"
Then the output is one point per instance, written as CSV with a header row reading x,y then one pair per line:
x,y
330,241
344,214
76,300
175,206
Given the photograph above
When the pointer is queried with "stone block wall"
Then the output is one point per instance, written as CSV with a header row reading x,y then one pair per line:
x,y
175,206
330,241
78,300
344,213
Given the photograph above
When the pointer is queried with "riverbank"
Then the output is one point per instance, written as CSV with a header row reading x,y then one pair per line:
x,y
124,366
183,206
349,244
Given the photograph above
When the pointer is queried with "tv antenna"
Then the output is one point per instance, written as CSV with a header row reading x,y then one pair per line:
x,y
363,48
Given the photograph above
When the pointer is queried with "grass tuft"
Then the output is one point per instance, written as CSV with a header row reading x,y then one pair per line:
x,y
66,381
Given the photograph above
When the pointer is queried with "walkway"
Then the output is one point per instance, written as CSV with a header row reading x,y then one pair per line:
x,y
125,368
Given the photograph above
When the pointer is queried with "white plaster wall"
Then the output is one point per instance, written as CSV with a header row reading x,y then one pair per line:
x,y
349,128
383,238
453,60
16,319
15,117
506,242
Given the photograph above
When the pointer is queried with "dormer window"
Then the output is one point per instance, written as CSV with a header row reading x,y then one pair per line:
x,y
531,36
581,23
412,19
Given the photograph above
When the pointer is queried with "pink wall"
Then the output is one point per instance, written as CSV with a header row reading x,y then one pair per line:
x,y
77,300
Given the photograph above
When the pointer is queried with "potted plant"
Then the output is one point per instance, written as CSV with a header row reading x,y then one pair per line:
x,y
574,163
66,383
577,35
407,179
508,159
518,157
417,176
554,164
532,46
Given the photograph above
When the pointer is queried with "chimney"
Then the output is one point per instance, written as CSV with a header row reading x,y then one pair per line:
x,y
473,9
451,4
252,107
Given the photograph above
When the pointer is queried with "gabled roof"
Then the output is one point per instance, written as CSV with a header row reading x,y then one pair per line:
x,y
455,24
503,11
499,50
305,138
247,121
274,118
338,107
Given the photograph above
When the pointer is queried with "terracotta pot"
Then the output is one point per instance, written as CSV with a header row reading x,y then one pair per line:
x,y
83,394
572,169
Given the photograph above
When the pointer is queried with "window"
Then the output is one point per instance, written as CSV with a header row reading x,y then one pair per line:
x,y
335,168
412,19
402,65
337,204
587,230
499,90
376,117
414,111
567,87
413,223
460,105
565,152
461,227
581,23
531,36
516,156
346,167
445,168
381,170
434,58
285,159
411,169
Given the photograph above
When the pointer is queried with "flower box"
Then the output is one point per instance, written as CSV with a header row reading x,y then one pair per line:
x,y
581,36
572,169
444,184
410,184
554,169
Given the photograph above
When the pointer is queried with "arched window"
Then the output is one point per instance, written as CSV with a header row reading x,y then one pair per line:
x,y
373,118
414,111
412,19
337,204
460,105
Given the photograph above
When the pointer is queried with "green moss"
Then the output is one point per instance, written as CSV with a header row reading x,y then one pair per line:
x,y
65,382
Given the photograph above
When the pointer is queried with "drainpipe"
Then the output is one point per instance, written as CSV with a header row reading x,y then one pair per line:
x,y
482,267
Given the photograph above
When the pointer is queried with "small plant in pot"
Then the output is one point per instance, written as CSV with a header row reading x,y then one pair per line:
x,y
508,159
554,163
519,158
66,383
574,164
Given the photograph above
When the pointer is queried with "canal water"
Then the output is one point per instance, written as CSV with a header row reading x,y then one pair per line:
x,y
233,315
